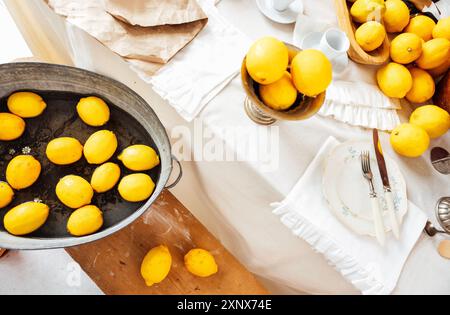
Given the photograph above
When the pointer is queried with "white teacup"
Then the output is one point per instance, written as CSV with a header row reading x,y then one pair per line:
x,y
281,5
334,43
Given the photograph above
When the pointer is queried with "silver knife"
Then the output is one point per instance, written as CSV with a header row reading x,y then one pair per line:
x,y
386,186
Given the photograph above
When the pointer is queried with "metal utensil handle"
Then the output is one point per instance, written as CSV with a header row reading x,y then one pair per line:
x,y
180,174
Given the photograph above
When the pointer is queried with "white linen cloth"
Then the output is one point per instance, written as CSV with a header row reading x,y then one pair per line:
x,y
360,259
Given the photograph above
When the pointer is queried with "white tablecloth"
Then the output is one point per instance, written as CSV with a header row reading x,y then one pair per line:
x,y
232,198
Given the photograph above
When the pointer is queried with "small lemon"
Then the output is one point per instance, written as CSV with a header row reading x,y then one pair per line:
x,y
156,265
22,171
394,80
409,140
136,187
435,52
311,72
267,60
370,35
26,104
423,86
279,95
422,26
105,177
440,70
396,16
93,111
74,191
405,48
100,147
200,263
442,28
11,127
6,194
26,218
433,119
139,158
85,221
367,10
64,151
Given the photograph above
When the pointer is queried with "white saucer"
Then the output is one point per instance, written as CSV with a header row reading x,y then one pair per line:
x,y
287,16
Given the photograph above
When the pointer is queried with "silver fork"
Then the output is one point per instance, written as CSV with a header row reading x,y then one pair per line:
x,y
378,220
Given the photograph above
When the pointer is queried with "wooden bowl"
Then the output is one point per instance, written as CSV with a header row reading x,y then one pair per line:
x,y
356,53
303,108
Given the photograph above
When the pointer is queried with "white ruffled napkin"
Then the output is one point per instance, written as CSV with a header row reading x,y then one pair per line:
x,y
369,267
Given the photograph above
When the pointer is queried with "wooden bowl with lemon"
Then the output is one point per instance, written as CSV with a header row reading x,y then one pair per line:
x,y
283,82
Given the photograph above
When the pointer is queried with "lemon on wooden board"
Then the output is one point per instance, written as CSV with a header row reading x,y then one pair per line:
x,y
367,10
139,157
156,265
394,80
26,218
200,263
405,48
409,140
311,72
442,28
396,16
435,52
85,220
422,26
267,60
64,151
100,147
105,177
370,35
423,86
74,191
11,127
93,111
26,104
136,187
22,171
279,95
6,194
433,119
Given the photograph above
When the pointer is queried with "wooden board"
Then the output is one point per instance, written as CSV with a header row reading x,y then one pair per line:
x,y
2,252
113,263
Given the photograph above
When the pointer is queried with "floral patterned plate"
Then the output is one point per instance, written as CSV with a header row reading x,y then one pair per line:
x,y
347,192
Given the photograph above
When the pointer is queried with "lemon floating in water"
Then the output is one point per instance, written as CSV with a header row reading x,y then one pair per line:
x,y
85,221
93,111
64,151
156,265
26,218
11,127
6,194
74,191
22,171
105,177
200,262
139,158
100,147
26,104
136,187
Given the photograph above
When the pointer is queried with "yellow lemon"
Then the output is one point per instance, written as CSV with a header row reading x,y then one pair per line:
x,y
22,171
292,54
156,265
279,95
139,157
435,52
200,263
405,48
311,72
422,26
100,147
370,35
26,218
6,194
394,80
409,140
442,28
136,187
74,191
85,221
423,86
26,104
11,127
433,119
64,151
267,60
105,177
93,111
440,70
367,10
396,16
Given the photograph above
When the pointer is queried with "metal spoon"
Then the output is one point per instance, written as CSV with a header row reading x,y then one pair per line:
x,y
440,158
442,211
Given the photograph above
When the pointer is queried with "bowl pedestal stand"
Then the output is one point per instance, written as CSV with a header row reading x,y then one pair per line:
x,y
255,114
